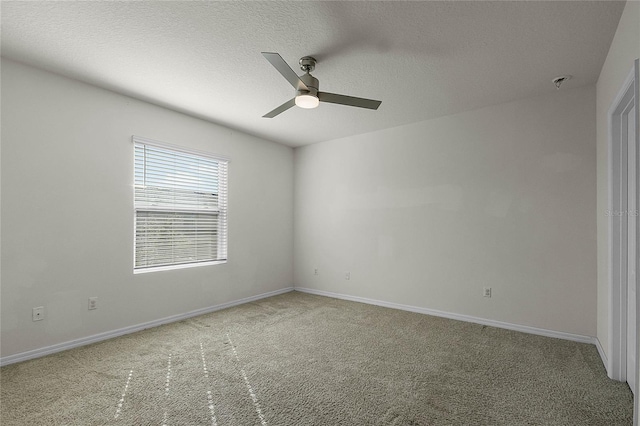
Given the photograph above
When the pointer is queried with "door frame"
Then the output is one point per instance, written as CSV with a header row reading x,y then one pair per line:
x,y
627,97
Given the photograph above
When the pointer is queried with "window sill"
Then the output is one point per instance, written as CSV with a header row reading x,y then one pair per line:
x,y
182,266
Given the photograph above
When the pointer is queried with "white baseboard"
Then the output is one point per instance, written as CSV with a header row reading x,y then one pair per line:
x,y
603,355
36,353
515,327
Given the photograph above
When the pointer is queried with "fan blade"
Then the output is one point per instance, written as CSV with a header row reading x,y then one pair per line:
x,y
282,108
348,100
286,71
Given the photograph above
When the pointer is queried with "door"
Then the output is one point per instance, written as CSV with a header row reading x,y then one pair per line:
x,y
631,216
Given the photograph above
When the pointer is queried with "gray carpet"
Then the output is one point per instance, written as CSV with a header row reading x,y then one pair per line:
x,y
298,359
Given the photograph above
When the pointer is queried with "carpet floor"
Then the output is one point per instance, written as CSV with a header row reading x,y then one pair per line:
x,y
298,359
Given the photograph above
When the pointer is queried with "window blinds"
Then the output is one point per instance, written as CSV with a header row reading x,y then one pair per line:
x,y
180,206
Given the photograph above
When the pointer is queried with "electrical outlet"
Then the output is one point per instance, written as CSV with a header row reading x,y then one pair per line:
x,y
347,275
486,291
38,313
93,303
315,271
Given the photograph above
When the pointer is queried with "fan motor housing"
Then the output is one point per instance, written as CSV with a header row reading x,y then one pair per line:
x,y
312,83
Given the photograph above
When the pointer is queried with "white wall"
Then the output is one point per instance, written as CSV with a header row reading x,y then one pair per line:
x,y
67,218
429,213
624,49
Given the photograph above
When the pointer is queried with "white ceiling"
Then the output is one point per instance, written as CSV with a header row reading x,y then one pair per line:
x,y
422,59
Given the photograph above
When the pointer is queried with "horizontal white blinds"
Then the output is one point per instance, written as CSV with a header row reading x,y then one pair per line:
x,y
180,207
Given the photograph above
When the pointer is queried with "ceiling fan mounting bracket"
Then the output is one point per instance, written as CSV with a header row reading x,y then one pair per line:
x,y
307,63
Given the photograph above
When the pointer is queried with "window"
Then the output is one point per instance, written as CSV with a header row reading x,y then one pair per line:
x,y
180,202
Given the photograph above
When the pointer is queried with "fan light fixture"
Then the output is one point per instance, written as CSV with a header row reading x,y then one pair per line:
x,y
307,101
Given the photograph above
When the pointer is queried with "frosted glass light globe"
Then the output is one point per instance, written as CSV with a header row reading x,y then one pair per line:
x,y
307,101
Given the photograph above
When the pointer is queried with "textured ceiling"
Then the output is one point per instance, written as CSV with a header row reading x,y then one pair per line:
x,y
422,59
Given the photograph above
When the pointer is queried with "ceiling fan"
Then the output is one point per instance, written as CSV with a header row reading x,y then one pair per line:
x,y
306,85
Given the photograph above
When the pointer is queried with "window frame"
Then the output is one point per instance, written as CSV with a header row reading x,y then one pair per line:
x,y
223,207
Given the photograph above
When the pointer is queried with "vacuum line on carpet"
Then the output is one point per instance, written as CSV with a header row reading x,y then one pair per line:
x,y
254,398
166,392
209,395
124,392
